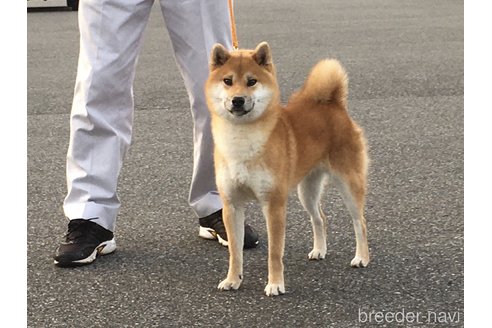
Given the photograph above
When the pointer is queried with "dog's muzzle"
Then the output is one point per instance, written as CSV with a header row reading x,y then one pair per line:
x,y
237,106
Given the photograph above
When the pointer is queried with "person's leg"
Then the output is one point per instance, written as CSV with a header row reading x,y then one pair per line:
x,y
100,124
102,111
194,27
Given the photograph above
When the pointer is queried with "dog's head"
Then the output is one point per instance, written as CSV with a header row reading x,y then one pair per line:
x,y
242,84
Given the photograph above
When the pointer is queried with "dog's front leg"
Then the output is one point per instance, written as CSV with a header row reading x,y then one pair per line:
x,y
233,217
274,212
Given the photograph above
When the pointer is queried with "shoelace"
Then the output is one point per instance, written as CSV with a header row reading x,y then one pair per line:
x,y
77,230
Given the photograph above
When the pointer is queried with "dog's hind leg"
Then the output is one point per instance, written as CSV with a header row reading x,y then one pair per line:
x,y
233,217
352,188
310,190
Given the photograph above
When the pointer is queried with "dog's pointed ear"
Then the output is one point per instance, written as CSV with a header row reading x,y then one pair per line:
x,y
220,55
262,54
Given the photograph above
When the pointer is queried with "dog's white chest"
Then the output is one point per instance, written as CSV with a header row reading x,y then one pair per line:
x,y
238,174
239,180
242,171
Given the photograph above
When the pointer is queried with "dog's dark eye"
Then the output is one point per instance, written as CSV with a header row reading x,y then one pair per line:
x,y
251,82
228,81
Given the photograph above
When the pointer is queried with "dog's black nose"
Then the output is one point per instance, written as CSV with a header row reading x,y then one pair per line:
x,y
238,102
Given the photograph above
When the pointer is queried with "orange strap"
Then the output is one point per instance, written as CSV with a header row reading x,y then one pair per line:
x,y
235,43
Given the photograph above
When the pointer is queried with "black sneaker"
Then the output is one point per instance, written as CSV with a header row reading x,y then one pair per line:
x,y
83,241
212,227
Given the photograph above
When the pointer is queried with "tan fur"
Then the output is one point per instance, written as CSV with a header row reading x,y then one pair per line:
x,y
263,154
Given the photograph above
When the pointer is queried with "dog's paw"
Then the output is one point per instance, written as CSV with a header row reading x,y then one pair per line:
x,y
228,284
274,289
359,262
317,254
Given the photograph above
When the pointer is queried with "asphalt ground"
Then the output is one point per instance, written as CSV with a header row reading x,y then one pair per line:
x,y
405,64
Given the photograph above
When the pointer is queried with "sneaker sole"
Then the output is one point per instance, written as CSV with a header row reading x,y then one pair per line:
x,y
209,233
106,247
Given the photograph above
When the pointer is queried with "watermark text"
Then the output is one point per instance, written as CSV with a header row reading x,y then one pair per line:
x,y
405,316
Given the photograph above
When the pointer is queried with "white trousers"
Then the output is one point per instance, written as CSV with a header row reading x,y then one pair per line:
x,y
102,111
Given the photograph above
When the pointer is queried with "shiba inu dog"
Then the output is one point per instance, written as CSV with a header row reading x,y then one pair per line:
x,y
263,149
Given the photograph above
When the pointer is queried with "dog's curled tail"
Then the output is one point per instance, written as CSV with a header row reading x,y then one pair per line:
x,y
327,82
